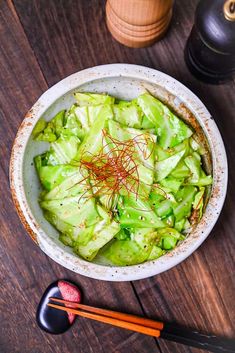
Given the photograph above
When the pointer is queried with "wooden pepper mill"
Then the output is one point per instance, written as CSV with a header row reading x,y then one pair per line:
x,y
138,23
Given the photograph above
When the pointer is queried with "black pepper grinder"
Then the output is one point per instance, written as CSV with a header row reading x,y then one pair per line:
x,y
210,49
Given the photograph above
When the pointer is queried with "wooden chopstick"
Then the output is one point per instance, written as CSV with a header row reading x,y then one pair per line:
x,y
109,320
114,314
148,327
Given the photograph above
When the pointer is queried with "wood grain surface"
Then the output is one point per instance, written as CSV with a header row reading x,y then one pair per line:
x,y
41,42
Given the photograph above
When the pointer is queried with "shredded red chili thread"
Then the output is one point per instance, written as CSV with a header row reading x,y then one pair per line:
x,y
115,167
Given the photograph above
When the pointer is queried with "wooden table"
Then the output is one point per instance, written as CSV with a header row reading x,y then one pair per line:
x,y
41,42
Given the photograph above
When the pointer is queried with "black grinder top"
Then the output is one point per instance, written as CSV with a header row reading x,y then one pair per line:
x,y
210,50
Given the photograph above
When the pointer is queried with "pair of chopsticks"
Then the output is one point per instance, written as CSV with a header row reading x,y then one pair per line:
x,y
147,326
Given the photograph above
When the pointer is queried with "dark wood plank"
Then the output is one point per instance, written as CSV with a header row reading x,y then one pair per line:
x,y
25,271
67,36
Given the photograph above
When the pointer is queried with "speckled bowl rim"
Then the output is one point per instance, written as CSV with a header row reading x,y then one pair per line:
x,y
150,268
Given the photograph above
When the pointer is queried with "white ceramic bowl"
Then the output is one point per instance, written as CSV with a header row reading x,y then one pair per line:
x,y
127,82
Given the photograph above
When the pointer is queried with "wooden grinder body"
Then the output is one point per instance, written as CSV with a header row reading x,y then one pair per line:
x,y
138,23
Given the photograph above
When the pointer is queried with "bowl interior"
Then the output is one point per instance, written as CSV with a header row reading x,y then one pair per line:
x,y
121,87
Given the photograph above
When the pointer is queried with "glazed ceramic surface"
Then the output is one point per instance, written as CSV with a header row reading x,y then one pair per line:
x,y
126,82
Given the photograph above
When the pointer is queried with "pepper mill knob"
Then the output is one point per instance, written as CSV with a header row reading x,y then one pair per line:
x,y
138,23
229,10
